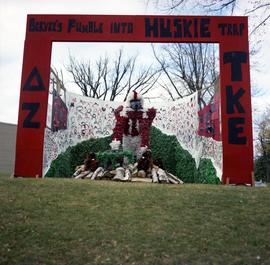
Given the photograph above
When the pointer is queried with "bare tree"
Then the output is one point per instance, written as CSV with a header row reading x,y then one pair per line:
x,y
263,144
259,9
57,86
188,68
256,8
109,78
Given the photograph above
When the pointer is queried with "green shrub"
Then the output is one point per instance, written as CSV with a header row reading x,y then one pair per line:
x,y
166,147
64,165
206,173
260,168
163,147
185,165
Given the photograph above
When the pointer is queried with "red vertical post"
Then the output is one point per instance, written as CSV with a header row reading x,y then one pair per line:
x,y
236,118
32,108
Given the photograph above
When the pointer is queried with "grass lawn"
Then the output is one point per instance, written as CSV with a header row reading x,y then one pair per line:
x,y
64,221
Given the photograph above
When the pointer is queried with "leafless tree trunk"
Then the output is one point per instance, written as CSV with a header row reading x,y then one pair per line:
x,y
109,78
188,68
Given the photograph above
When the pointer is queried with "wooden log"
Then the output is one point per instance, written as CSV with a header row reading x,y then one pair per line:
x,y
108,175
171,176
127,175
145,180
82,174
154,175
162,176
173,181
98,173
120,174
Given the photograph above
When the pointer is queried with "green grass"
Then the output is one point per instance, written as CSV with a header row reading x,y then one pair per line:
x,y
4,175
63,221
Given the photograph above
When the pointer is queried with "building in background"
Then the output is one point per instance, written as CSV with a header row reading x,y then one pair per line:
x,y
7,147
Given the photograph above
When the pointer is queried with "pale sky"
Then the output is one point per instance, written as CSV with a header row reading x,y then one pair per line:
x,y
13,22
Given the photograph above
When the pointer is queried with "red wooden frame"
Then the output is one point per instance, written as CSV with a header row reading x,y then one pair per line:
x,y
230,32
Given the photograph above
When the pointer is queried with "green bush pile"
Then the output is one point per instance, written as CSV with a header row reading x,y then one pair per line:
x,y
178,161
64,165
166,147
